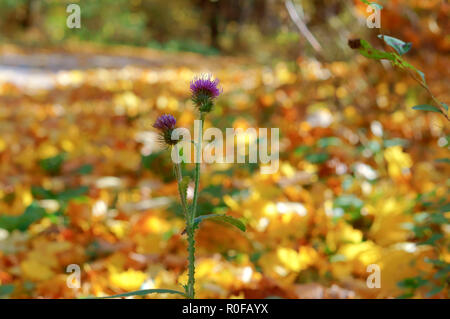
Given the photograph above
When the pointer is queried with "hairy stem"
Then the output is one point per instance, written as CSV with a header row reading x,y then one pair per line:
x,y
191,260
179,177
190,232
197,167
190,227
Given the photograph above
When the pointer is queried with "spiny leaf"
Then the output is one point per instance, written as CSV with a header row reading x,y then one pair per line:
x,y
145,292
426,107
224,218
400,46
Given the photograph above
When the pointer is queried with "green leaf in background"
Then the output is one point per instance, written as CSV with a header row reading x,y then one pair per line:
x,y
434,290
444,208
412,283
426,107
346,201
68,194
42,193
6,290
52,165
443,160
350,205
432,239
402,64
395,142
400,46
438,218
147,160
369,52
317,158
443,273
32,214
84,169
72,193
328,141
145,292
302,150
436,262
371,3
224,218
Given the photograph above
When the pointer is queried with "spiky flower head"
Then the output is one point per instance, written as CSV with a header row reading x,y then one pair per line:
x,y
204,90
166,124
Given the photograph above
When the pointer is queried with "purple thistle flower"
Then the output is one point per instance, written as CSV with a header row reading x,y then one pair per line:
x,y
204,89
204,84
166,124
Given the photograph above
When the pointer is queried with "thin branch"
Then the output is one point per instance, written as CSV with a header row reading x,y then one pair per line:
x,y
302,26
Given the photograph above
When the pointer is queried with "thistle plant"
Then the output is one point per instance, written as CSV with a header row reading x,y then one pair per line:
x,y
204,91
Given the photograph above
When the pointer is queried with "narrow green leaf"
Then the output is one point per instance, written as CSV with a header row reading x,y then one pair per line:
x,y
400,46
371,3
224,218
145,292
426,107
369,52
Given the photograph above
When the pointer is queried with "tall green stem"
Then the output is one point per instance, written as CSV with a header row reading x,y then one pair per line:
x,y
197,166
191,260
182,193
190,232
190,227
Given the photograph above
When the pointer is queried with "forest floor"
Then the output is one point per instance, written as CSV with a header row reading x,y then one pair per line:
x,y
83,180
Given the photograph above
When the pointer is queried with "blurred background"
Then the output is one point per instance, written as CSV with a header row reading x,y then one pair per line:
x,y
363,177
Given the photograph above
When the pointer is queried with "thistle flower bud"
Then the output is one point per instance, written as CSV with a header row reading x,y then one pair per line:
x,y
166,124
204,90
